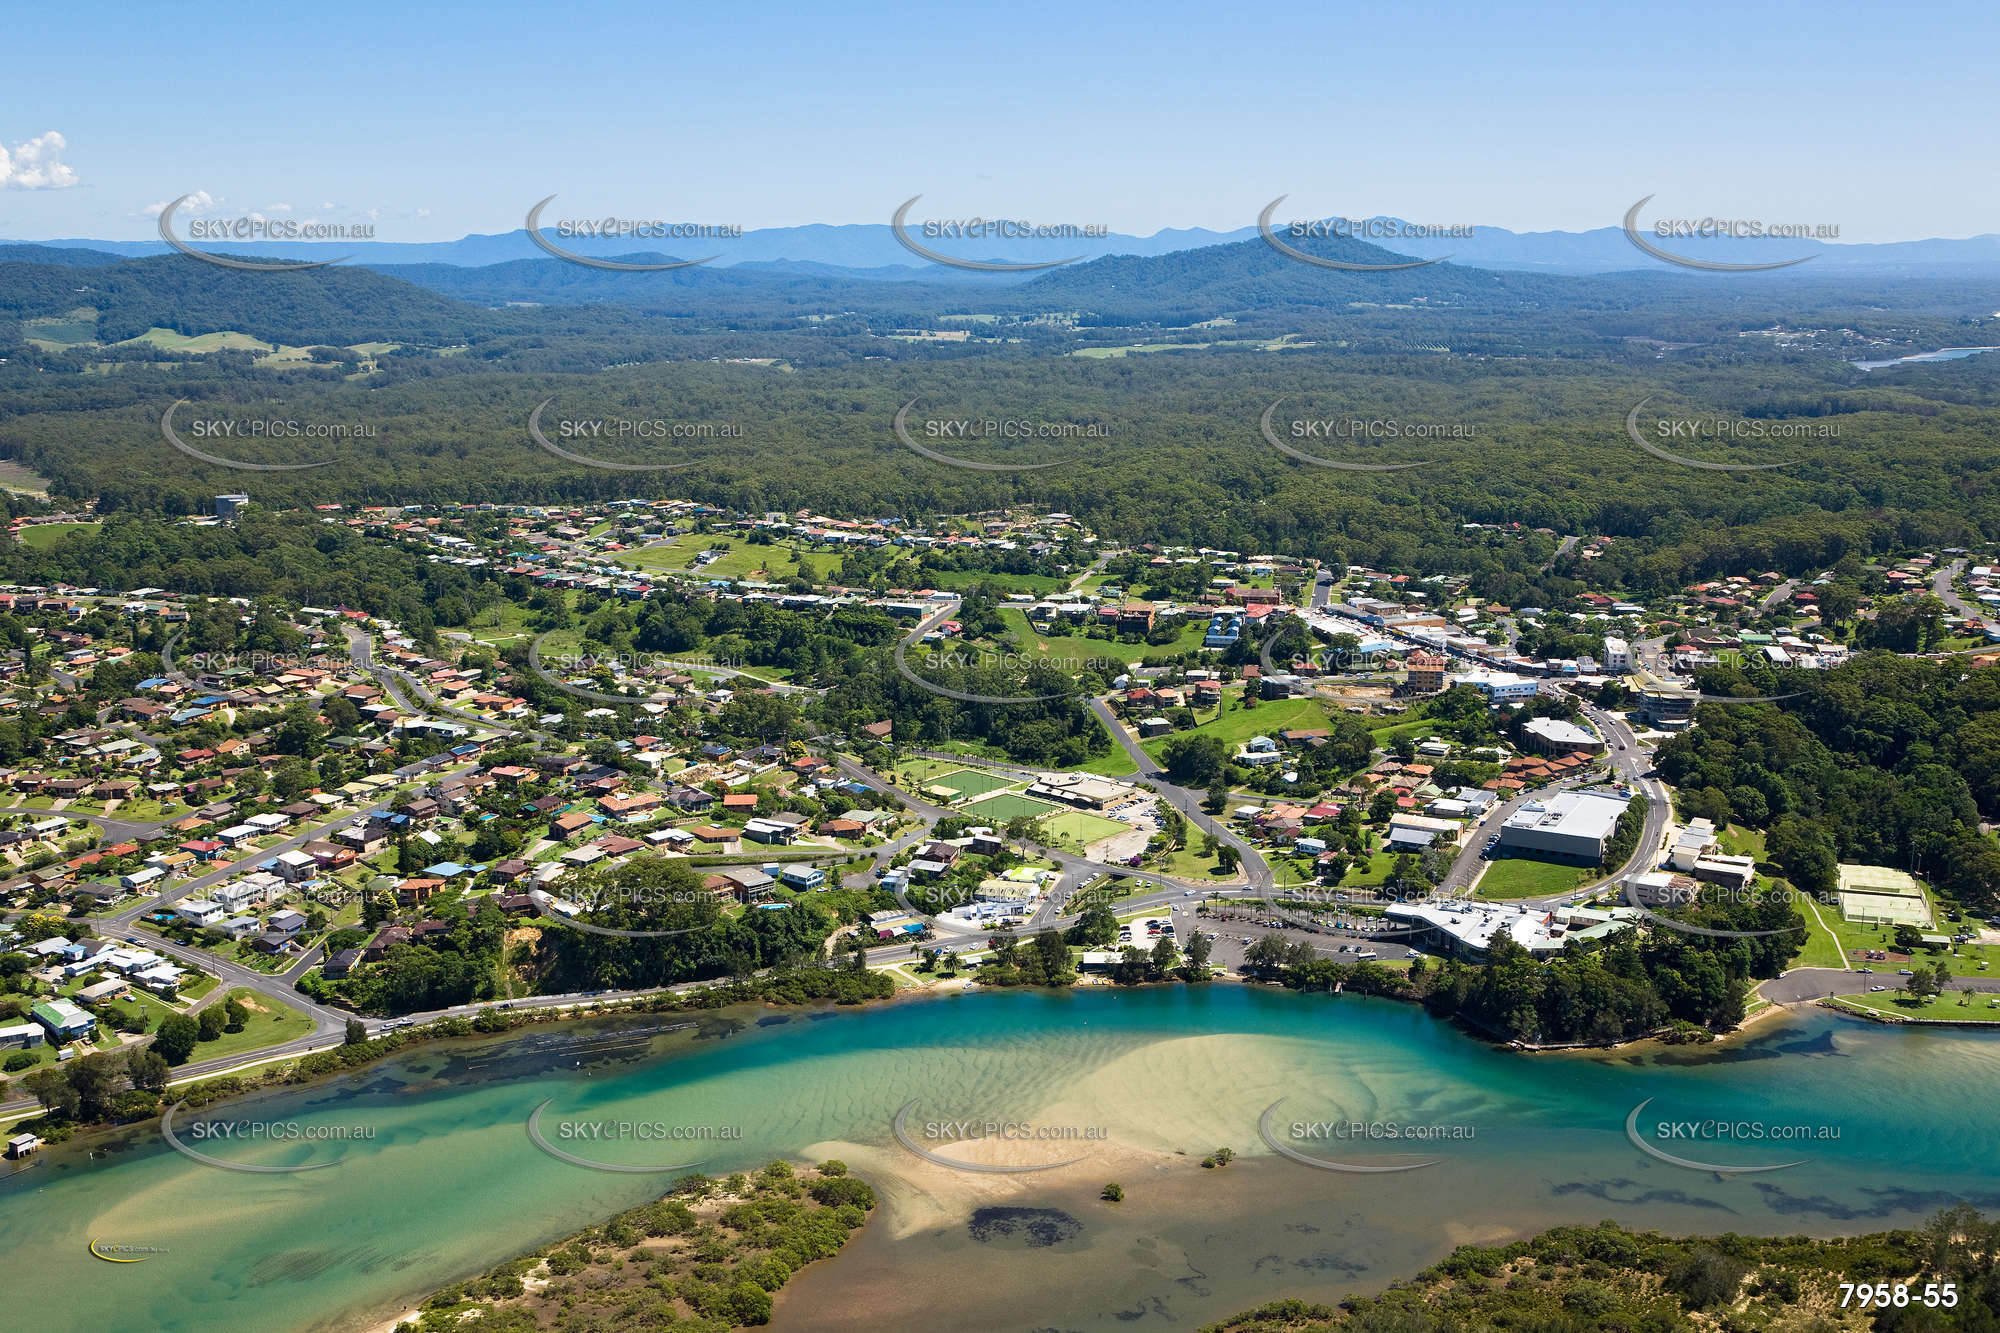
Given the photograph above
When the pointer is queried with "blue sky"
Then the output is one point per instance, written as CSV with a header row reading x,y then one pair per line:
x,y
439,120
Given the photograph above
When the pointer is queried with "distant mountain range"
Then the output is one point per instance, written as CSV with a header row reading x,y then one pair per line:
x,y
871,252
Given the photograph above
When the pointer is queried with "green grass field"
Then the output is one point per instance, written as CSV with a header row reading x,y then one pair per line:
x,y
966,578
1978,1007
271,1022
1082,828
970,782
1235,724
742,560
997,810
1058,641
1519,877
44,536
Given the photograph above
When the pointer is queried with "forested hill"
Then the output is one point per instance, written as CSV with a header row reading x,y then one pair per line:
x,y
337,305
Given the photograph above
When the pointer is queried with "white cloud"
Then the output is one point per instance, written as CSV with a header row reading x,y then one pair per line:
x,y
278,208
36,164
201,201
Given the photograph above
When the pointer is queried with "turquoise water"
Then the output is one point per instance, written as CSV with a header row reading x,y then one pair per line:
x,y
450,1182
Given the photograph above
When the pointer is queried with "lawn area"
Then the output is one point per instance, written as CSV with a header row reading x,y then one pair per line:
x,y
1520,877
742,560
1821,947
966,578
997,810
500,622
1083,828
271,1022
1978,1007
1059,642
972,782
1189,864
43,536
1235,724
918,772
1739,841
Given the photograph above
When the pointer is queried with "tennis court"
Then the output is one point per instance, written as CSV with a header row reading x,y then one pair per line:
x,y
970,783
997,810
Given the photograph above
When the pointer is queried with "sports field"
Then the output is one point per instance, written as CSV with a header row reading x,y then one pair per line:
x,y
997,810
1074,826
970,782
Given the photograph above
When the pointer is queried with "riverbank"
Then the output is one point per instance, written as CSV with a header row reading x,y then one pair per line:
x,y
705,1249
1136,1088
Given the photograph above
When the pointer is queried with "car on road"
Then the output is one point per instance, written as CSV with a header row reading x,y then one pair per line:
x,y
1872,989
1905,972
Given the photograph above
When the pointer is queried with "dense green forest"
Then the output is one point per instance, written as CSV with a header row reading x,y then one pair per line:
x,y
1529,378
1887,761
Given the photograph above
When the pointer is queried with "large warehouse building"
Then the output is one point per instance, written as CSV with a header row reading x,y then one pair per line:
x,y
1570,826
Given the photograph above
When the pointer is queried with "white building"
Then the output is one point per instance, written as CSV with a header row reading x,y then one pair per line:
x,y
1617,654
1570,826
